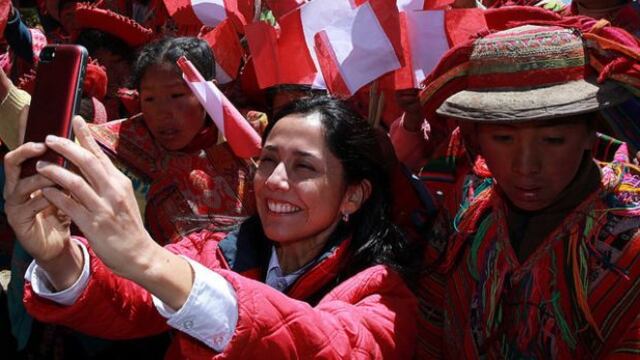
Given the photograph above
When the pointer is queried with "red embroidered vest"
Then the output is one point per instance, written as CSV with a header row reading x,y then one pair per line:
x,y
185,191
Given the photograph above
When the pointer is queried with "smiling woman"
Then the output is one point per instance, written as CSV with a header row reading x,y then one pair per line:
x,y
319,272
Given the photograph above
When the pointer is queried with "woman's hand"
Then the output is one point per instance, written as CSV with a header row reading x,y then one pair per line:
x,y
102,204
101,201
42,229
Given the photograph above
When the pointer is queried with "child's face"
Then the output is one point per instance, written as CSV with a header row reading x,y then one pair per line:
x,y
170,109
534,162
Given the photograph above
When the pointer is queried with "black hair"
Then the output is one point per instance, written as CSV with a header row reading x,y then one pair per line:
x,y
307,90
374,238
95,40
169,50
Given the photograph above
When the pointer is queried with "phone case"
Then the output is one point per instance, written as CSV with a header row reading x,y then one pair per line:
x,y
56,98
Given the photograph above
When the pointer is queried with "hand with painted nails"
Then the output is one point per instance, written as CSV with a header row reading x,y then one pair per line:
x,y
99,200
40,227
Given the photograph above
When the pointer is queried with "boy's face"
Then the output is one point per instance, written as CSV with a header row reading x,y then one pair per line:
x,y
534,162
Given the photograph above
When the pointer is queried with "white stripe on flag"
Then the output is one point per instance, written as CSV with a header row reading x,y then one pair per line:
x,y
406,5
211,101
315,16
427,40
210,12
221,76
362,48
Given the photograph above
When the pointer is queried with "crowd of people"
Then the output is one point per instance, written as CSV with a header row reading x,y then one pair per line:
x,y
490,211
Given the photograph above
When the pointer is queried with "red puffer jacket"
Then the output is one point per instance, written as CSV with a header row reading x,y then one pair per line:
x,y
368,316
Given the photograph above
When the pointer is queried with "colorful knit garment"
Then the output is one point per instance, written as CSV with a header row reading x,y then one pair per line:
x,y
576,296
207,187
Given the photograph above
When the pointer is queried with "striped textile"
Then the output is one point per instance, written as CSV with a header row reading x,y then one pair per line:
x,y
577,296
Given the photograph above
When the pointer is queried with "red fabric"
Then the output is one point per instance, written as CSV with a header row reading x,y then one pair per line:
x,y
370,315
227,50
89,16
181,11
462,25
280,58
329,66
387,15
437,4
240,12
5,9
130,100
280,8
249,83
531,78
95,81
403,77
185,191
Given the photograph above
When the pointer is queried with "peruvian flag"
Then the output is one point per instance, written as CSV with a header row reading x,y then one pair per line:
x,y
209,12
427,35
242,138
280,57
359,46
227,51
352,44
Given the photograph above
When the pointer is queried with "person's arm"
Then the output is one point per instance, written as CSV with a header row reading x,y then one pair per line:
x,y
371,315
121,309
41,229
13,102
413,137
103,206
410,146
18,36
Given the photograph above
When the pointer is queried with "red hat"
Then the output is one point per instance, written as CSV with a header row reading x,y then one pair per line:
x,y
95,81
611,54
94,85
88,16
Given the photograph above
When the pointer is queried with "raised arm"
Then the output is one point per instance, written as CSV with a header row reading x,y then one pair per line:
x,y
101,202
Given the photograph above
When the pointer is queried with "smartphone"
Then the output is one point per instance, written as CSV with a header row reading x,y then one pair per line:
x,y
55,100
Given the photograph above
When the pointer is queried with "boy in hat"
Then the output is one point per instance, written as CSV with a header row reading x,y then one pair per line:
x,y
543,263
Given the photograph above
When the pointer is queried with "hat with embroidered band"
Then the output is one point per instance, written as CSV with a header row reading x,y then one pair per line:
x,y
530,73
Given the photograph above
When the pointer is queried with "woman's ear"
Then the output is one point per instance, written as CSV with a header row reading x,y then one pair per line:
x,y
355,196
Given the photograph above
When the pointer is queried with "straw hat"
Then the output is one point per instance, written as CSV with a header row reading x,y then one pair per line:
x,y
530,73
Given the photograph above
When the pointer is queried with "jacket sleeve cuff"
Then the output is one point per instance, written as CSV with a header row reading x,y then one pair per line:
x,y
210,313
10,108
41,283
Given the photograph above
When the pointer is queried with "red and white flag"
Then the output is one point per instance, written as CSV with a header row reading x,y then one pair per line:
x,y
280,57
242,138
359,46
209,12
427,35
361,40
227,51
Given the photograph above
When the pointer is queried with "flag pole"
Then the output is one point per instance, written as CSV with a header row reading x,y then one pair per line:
x,y
373,102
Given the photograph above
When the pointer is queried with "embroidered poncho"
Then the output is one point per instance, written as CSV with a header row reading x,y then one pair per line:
x,y
576,296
